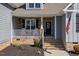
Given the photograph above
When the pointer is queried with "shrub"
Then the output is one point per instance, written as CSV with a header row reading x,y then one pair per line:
x,y
15,43
37,42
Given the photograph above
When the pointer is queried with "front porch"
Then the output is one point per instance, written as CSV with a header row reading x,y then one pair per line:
x,y
25,27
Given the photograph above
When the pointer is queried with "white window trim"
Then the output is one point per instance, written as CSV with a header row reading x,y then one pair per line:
x,y
30,23
27,6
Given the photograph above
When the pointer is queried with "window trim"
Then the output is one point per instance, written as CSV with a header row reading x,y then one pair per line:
x,y
41,6
30,23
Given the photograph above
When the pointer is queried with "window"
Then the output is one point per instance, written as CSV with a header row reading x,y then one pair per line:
x,y
33,24
37,5
77,23
23,23
31,5
34,5
30,24
27,24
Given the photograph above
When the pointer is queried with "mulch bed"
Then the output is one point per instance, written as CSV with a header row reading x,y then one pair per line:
x,y
24,50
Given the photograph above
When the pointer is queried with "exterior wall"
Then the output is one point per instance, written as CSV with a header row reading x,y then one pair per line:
x,y
53,26
58,27
18,31
73,35
63,29
48,9
5,24
77,33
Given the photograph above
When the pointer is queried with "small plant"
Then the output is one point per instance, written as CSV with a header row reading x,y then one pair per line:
x,y
37,42
15,43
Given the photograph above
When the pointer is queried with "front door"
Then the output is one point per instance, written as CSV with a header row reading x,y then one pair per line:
x,y
48,28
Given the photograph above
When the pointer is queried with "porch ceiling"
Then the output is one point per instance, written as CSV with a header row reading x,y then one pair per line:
x,y
55,9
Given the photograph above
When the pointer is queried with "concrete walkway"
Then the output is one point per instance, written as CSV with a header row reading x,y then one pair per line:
x,y
55,53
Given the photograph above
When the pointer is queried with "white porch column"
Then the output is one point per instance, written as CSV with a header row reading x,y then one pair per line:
x,y
42,32
11,30
55,28
67,35
74,24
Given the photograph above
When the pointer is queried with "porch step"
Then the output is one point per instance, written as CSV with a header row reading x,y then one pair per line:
x,y
53,48
49,37
52,44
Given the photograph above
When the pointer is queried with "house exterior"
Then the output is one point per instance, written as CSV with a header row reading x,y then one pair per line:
x,y
31,20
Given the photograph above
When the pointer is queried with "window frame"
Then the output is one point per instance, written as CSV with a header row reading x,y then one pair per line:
x,y
30,23
27,6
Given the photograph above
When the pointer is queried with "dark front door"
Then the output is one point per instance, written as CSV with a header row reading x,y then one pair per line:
x,y
48,28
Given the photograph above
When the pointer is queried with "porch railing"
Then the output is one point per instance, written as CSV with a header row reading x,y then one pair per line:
x,y
24,32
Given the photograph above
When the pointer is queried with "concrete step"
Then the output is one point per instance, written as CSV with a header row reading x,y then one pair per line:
x,y
51,43
54,48
59,41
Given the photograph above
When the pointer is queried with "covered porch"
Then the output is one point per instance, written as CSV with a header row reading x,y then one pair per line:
x,y
49,28
29,24
50,24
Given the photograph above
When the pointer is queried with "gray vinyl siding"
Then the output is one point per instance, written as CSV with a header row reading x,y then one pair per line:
x,y
16,26
53,26
58,27
5,24
77,33
72,35
63,29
